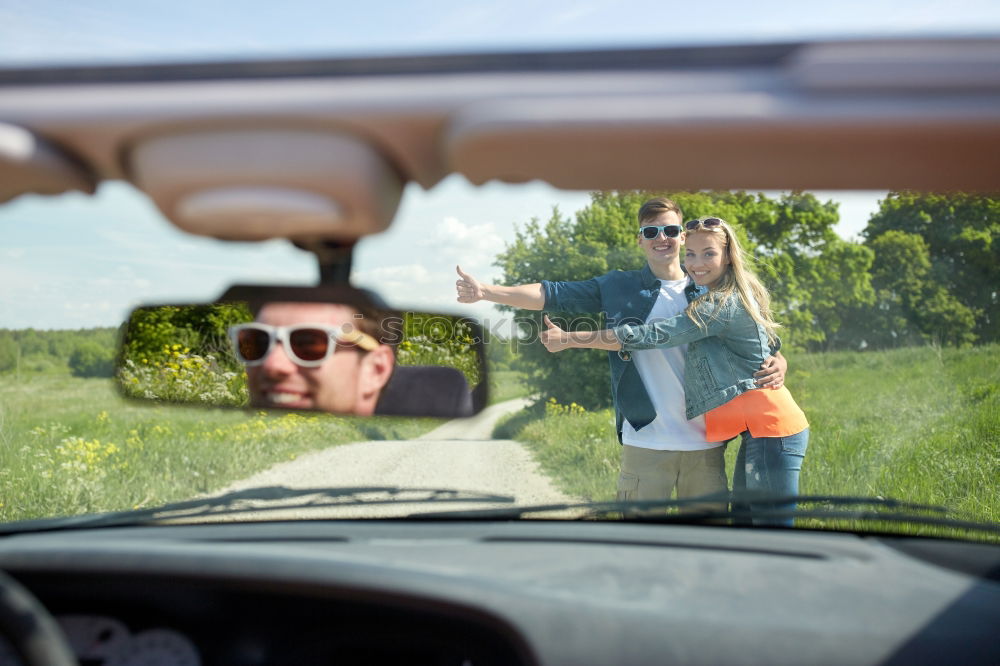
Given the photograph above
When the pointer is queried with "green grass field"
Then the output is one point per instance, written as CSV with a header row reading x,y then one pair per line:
x,y
70,445
919,424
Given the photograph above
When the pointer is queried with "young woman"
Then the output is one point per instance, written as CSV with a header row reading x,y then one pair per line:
x,y
729,331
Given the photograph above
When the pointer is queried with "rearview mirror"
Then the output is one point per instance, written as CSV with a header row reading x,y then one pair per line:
x,y
332,349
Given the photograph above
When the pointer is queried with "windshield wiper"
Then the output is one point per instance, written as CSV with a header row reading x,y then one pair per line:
x,y
256,500
825,507
281,498
642,508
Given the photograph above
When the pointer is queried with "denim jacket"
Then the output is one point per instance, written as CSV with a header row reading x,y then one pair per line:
x,y
721,357
625,298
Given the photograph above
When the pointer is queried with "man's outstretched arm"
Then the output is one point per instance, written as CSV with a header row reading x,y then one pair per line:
x,y
524,296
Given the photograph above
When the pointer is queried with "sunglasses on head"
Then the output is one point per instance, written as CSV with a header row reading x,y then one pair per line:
x,y
707,223
307,345
649,232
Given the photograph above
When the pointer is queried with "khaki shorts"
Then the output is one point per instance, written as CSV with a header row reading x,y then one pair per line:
x,y
647,474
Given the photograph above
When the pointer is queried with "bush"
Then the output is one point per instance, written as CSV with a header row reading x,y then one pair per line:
x,y
439,340
199,328
176,374
90,359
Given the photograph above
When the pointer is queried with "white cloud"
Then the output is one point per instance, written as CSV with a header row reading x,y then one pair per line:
x,y
410,286
473,246
411,273
478,237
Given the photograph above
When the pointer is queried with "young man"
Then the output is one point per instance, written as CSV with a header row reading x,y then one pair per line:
x,y
334,358
313,356
662,450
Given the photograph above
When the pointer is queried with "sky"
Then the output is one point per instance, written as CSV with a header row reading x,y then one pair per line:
x,y
70,30
75,261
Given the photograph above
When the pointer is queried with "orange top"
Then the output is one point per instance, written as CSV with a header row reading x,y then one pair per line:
x,y
764,412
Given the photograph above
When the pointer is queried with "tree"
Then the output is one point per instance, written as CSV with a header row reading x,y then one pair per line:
x,y
961,233
914,306
9,351
839,294
32,342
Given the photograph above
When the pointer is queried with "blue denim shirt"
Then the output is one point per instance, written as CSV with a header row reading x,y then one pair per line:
x,y
625,298
721,357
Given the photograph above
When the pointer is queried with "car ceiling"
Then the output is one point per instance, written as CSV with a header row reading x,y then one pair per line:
x,y
323,148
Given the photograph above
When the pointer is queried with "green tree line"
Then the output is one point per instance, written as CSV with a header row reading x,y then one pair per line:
x,y
926,270
84,352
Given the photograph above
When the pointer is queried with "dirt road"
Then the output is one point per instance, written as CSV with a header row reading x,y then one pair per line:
x,y
457,455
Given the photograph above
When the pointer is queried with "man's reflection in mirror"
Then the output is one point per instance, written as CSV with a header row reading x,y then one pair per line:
x,y
316,356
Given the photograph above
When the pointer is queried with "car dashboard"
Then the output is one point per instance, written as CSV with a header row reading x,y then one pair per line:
x,y
528,592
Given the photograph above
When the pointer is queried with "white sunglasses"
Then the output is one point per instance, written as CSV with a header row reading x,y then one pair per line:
x,y
307,345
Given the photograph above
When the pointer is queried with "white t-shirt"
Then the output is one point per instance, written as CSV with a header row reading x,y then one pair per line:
x,y
662,373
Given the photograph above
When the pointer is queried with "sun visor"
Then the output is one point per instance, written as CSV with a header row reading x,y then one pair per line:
x,y
742,140
30,165
259,183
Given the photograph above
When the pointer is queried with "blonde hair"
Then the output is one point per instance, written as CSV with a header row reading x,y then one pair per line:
x,y
739,280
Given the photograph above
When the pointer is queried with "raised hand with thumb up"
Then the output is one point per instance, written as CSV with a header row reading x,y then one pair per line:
x,y
552,337
468,288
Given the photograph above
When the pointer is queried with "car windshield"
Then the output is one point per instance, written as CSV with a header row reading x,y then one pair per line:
x,y
885,301
810,358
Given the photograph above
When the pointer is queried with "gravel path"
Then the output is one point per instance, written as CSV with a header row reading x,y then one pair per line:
x,y
458,455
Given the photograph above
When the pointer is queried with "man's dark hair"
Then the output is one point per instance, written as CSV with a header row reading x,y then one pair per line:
x,y
386,326
654,208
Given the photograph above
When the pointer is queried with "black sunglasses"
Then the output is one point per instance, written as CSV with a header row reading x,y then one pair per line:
x,y
669,230
708,223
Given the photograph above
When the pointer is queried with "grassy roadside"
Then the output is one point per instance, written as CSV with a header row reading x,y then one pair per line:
x,y
919,424
70,445
506,385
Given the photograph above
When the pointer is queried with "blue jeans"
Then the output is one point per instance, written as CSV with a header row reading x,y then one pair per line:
x,y
771,465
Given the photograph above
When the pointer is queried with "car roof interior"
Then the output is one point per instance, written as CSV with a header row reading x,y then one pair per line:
x,y
322,149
